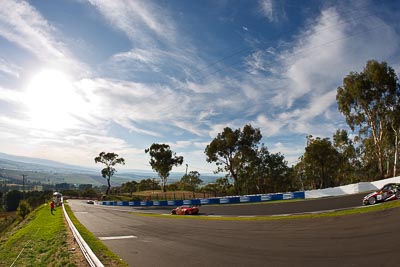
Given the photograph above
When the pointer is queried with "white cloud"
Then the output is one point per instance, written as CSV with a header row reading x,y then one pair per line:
x,y
290,151
134,18
9,95
174,92
9,68
21,24
267,126
267,9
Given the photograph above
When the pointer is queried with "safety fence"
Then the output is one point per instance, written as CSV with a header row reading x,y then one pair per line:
x,y
209,201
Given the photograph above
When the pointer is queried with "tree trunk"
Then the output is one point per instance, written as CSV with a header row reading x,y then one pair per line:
x,y
381,164
396,152
377,134
109,186
164,184
388,167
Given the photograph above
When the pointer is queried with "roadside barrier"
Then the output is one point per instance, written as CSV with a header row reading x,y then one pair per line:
x,y
350,188
91,258
210,201
317,193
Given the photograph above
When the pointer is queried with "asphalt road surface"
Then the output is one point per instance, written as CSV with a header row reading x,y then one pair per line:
x,y
357,240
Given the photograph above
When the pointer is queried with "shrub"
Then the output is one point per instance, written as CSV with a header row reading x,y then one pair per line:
x,y
23,209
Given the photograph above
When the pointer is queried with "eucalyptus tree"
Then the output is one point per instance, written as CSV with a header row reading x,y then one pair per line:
x,y
365,99
129,187
109,160
191,181
233,151
162,159
268,172
393,119
349,162
279,173
321,162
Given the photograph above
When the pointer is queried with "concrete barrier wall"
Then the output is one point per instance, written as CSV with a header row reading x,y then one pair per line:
x,y
350,188
318,193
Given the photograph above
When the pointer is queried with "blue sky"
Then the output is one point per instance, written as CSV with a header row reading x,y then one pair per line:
x,y
80,77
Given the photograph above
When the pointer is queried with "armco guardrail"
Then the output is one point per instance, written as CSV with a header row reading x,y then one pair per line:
x,y
210,201
87,252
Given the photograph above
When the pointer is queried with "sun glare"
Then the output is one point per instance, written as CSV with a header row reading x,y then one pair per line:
x,y
52,101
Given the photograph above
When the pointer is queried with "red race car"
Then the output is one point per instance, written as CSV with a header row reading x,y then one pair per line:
x,y
185,210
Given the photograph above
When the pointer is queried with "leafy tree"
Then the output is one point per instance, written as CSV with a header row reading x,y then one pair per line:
x,y
393,120
223,186
23,209
173,186
162,160
210,188
269,172
320,160
191,181
233,150
110,160
349,161
12,200
129,187
279,173
147,184
90,192
364,99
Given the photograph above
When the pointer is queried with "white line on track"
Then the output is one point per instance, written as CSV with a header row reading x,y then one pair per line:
x,y
117,237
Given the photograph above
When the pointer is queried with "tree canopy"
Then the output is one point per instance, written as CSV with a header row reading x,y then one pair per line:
x,y
191,181
162,160
233,150
368,100
109,160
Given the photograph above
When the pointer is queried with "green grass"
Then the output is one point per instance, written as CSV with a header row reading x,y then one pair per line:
x,y
345,212
39,240
106,256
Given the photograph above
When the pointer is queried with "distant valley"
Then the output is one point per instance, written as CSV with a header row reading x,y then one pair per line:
x,y
52,172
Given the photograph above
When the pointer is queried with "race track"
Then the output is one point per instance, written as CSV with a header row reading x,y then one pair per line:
x,y
356,240
272,208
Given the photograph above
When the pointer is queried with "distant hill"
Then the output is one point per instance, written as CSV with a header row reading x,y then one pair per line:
x,y
47,170
37,163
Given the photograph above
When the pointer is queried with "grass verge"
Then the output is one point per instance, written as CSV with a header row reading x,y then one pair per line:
x,y
39,240
345,212
106,256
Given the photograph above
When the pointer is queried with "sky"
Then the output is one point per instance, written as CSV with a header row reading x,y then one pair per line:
x,y
80,77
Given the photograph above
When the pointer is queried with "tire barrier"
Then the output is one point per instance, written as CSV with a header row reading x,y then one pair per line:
x,y
209,201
